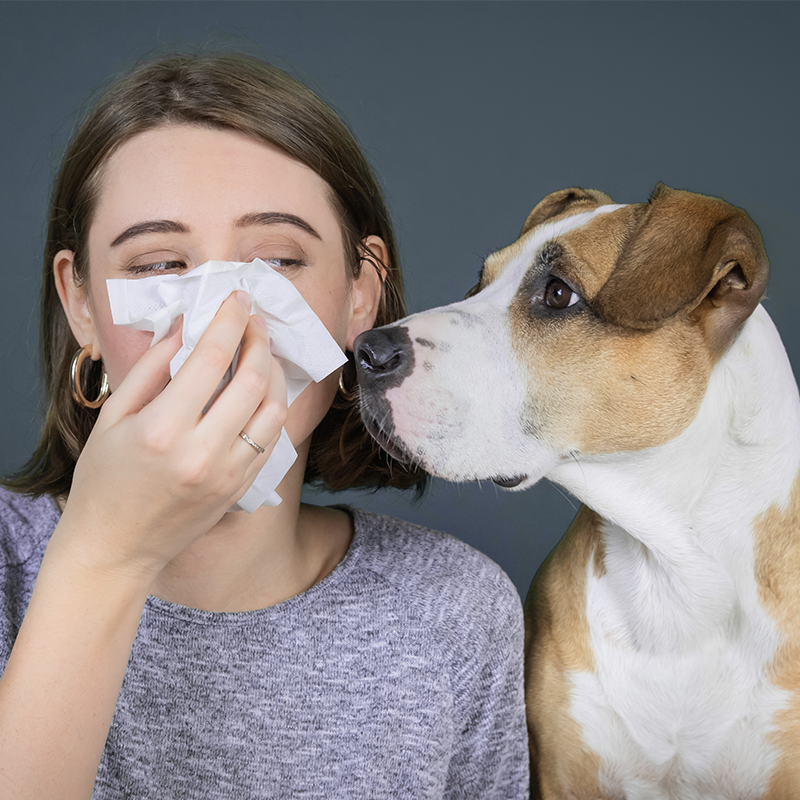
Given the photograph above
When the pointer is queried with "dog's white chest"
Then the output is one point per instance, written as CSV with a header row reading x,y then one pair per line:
x,y
680,727
679,735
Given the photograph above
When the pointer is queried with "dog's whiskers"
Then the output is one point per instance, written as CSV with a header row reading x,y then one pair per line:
x,y
563,494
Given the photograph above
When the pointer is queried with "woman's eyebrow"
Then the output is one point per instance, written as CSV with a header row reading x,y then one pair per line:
x,y
152,226
276,218
171,226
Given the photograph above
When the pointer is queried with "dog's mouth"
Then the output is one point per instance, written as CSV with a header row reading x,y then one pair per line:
x,y
385,439
392,447
396,449
510,482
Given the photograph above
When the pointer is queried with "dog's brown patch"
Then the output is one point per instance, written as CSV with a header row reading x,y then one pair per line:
x,y
556,645
565,203
777,563
595,388
559,205
595,248
677,259
667,285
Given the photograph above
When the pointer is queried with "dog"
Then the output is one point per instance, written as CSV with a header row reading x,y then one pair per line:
x,y
621,351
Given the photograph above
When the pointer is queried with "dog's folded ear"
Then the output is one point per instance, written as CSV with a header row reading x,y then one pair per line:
x,y
573,200
688,254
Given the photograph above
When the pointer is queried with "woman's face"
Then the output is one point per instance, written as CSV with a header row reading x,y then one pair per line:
x,y
172,198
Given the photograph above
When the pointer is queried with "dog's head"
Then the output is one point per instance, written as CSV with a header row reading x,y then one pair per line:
x,y
595,332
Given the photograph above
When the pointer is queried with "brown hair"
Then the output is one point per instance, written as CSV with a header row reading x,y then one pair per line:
x,y
235,92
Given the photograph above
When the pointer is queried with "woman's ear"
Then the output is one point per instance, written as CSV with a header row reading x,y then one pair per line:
x,y
365,291
75,301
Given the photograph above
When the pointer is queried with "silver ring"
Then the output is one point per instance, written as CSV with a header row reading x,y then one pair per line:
x,y
252,443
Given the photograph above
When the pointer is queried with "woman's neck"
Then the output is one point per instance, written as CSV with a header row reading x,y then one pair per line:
x,y
251,561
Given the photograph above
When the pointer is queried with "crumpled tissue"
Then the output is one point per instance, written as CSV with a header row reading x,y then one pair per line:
x,y
299,341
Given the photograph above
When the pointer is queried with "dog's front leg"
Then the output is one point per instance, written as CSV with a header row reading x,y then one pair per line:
x,y
557,646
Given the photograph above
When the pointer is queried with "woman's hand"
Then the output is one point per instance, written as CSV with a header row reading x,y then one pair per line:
x,y
157,473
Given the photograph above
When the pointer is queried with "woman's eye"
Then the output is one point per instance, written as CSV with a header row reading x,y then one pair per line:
x,y
558,295
283,264
158,266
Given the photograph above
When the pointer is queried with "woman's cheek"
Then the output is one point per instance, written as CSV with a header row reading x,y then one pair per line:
x,y
121,348
310,408
331,304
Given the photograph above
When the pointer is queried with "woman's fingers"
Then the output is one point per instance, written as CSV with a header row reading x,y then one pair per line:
x,y
200,375
265,425
257,389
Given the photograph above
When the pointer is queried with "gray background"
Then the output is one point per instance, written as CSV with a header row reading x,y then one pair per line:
x,y
470,112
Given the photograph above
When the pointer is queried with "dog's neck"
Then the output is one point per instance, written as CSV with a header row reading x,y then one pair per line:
x,y
679,517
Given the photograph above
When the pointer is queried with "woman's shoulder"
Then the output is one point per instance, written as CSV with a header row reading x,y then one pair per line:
x,y
26,524
397,545
434,569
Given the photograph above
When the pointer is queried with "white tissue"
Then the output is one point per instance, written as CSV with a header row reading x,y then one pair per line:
x,y
299,341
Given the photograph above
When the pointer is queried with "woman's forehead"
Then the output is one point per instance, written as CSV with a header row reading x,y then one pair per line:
x,y
195,170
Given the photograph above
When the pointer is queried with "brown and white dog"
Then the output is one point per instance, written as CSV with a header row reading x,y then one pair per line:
x,y
621,351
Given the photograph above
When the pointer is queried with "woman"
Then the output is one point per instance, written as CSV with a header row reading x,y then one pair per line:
x,y
190,652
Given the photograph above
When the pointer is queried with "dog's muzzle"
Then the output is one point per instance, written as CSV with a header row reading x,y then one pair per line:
x,y
384,357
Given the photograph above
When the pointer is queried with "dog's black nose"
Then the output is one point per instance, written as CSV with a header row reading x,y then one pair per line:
x,y
385,355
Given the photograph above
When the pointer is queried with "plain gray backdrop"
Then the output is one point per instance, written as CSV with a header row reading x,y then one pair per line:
x,y
471,112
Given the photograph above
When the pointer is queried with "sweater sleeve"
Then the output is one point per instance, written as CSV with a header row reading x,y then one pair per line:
x,y
473,617
25,528
490,761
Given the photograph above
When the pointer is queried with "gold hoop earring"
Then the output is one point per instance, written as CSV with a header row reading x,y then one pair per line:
x,y
75,380
345,393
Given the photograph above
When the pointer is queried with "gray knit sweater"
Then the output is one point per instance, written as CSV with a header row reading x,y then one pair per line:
x,y
398,676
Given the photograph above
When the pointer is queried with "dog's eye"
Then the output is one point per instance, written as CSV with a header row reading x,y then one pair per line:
x,y
558,295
